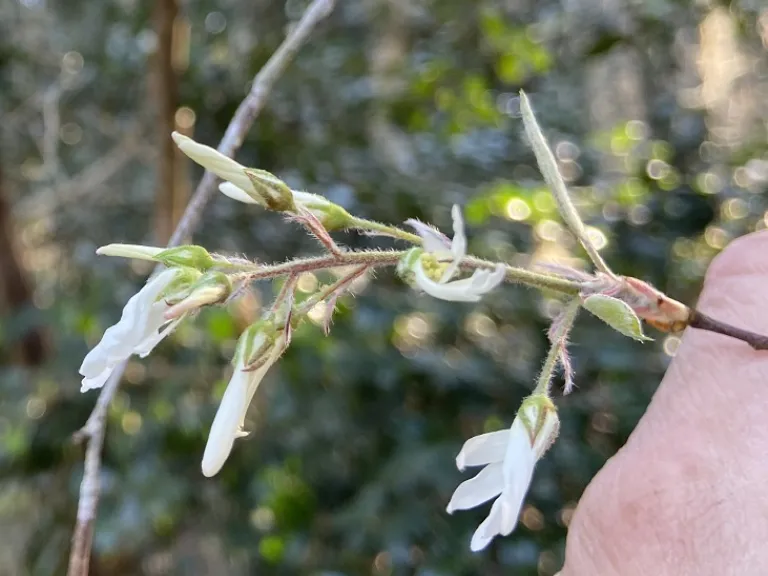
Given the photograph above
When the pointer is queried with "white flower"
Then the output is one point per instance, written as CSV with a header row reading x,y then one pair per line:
x,y
230,417
438,246
137,332
509,457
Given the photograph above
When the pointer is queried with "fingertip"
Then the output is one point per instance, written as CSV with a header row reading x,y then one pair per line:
x,y
744,256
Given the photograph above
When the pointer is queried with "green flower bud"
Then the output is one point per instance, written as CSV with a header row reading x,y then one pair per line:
x,y
275,193
210,288
190,255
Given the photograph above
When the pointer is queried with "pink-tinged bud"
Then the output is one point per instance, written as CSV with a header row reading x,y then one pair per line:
x,y
655,307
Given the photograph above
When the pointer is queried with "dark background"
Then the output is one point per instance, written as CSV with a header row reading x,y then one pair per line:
x,y
395,109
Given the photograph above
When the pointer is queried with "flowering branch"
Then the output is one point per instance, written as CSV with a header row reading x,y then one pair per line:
x,y
250,107
435,265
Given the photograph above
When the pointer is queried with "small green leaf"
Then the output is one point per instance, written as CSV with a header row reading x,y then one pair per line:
x,y
617,314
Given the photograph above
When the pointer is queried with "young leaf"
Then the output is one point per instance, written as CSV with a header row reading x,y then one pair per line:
x,y
617,314
554,180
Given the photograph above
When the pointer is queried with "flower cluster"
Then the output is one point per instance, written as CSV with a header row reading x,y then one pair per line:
x,y
437,266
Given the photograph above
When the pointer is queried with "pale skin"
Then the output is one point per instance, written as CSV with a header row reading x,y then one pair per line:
x,y
688,494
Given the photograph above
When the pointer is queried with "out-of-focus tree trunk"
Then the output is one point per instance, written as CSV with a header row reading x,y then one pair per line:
x,y
165,96
15,289
386,55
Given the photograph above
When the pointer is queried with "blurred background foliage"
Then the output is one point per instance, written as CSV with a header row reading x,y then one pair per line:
x,y
656,110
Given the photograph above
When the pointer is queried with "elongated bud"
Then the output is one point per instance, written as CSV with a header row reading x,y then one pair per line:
x,y
214,161
539,416
617,314
136,251
656,308
211,288
190,255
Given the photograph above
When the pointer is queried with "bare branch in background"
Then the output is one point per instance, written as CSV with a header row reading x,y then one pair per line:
x,y
246,113
51,128
47,200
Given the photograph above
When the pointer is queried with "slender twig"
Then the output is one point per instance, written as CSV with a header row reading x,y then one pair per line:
x,y
246,113
376,258
704,322
328,291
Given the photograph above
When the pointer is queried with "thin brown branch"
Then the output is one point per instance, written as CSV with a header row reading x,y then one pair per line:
x,y
242,121
704,322
28,347
165,96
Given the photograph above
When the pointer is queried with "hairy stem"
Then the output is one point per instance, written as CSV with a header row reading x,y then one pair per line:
x,y
384,229
327,291
82,538
558,338
377,258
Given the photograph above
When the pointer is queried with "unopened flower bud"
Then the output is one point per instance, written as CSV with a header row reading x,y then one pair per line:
x,y
656,308
136,251
191,256
331,216
211,288
214,161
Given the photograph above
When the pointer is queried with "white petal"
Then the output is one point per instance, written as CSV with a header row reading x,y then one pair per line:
x,y
488,484
483,449
214,161
96,381
450,271
236,193
119,340
432,240
130,251
478,280
547,434
452,291
519,461
459,242
494,278
148,344
230,417
226,423
489,528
